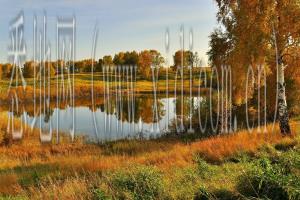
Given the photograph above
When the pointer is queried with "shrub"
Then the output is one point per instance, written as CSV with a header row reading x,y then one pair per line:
x,y
267,180
286,144
204,169
138,183
225,194
240,157
267,151
204,194
290,160
98,194
183,183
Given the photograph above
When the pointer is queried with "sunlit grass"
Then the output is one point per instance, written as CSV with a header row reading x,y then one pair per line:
x,y
83,87
76,170
163,153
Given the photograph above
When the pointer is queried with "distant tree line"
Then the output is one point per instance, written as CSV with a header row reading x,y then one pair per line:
x,y
143,60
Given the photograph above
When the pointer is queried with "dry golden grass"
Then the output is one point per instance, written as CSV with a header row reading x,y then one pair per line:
x,y
57,165
218,148
162,153
71,188
9,184
83,89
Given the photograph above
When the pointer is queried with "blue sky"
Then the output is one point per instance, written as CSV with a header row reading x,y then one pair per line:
x,y
124,25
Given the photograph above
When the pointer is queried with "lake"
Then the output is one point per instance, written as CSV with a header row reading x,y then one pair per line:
x,y
113,118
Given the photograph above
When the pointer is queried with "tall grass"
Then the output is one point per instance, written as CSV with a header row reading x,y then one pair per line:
x,y
179,170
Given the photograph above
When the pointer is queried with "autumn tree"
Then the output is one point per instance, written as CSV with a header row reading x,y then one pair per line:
x,y
257,33
119,58
131,58
107,60
183,58
99,65
126,58
0,71
6,70
28,71
148,58
86,65
49,68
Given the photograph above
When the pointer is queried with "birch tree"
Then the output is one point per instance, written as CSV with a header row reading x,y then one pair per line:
x,y
258,32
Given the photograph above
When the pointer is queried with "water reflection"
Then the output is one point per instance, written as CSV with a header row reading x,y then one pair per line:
x,y
113,119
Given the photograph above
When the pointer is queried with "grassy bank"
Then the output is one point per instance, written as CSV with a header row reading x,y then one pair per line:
x,y
83,87
241,165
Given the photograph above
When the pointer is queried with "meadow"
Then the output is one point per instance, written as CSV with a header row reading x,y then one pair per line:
x,y
83,85
235,166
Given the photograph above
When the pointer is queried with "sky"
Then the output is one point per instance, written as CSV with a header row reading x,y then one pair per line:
x,y
124,25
